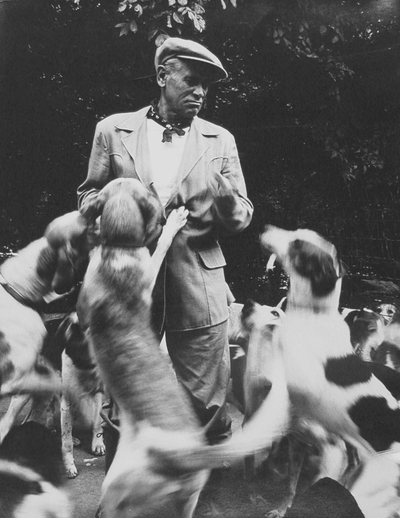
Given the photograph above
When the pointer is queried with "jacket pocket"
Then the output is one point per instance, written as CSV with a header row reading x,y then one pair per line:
x,y
212,258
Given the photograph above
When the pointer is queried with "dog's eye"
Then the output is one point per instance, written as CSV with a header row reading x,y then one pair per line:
x,y
275,314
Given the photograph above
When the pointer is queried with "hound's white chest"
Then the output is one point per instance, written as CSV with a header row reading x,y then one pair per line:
x,y
307,342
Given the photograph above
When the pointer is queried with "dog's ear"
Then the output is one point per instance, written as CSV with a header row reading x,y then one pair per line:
x,y
94,206
315,264
66,257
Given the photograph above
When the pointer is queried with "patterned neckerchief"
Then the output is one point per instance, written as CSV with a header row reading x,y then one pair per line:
x,y
169,128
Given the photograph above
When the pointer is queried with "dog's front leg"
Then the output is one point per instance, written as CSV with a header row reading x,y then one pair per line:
x,y
176,220
98,447
66,437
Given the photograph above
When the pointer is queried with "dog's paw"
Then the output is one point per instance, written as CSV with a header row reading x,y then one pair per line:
x,y
276,513
98,449
71,471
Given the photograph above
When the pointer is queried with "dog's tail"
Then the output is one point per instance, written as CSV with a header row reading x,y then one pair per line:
x,y
268,424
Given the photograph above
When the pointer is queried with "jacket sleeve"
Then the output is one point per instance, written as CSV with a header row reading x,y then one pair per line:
x,y
233,211
325,499
99,171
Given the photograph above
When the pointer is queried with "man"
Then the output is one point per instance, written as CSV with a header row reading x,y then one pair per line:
x,y
194,163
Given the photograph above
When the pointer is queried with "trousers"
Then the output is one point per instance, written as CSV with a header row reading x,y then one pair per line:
x,y
200,359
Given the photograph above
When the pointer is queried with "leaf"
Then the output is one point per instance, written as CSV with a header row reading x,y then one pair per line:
x,y
152,34
133,26
199,23
122,7
335,39
182,2
125,30
177,18
223,4
138,10
171,2
234,3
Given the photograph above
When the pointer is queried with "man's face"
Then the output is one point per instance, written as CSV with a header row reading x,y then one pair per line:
x,y
184,89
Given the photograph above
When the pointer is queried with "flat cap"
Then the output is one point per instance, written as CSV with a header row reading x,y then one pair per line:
x,y
191,50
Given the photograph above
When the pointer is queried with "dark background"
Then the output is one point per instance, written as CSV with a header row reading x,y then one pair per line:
x,y
313,99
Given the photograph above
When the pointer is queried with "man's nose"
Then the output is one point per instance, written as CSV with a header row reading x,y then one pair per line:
x,y
200,91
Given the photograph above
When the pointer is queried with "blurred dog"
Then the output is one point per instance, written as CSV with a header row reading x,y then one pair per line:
x,y
304,441
51,264
32,476
331,389
79,374
388,352
388,311
367,331
161,456
260,323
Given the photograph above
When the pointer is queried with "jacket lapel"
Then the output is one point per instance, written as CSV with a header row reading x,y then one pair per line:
x,y
134,138
135,141
196,146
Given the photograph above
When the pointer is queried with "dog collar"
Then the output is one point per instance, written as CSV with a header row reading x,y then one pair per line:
x,y
115,244
17,295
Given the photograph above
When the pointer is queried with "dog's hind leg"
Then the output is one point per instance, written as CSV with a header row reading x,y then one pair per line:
x,y
66,437
186,506
98,447
297,454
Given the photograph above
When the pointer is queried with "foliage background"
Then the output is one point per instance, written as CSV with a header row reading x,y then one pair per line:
x,y
312,99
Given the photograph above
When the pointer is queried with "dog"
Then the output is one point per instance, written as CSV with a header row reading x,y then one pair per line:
x,y
332,391
50,265
387,310
69,353
161,457
260,323
299,445
367,330
388,352
32,476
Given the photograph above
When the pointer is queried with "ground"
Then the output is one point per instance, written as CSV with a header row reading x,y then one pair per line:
x,y
226,495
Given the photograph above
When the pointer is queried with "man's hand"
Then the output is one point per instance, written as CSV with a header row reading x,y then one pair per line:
x,y
225,193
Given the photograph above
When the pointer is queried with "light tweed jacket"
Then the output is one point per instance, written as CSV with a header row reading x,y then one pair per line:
x,y
191,288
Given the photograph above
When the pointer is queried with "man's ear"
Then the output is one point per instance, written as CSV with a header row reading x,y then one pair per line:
x,y
161,75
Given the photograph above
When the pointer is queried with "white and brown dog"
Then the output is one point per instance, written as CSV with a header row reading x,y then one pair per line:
x,y
51,264
161,457
332,391
79,377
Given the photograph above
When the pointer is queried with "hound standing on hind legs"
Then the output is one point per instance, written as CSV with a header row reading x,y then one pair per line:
x,y
161,456
329,386
53,263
